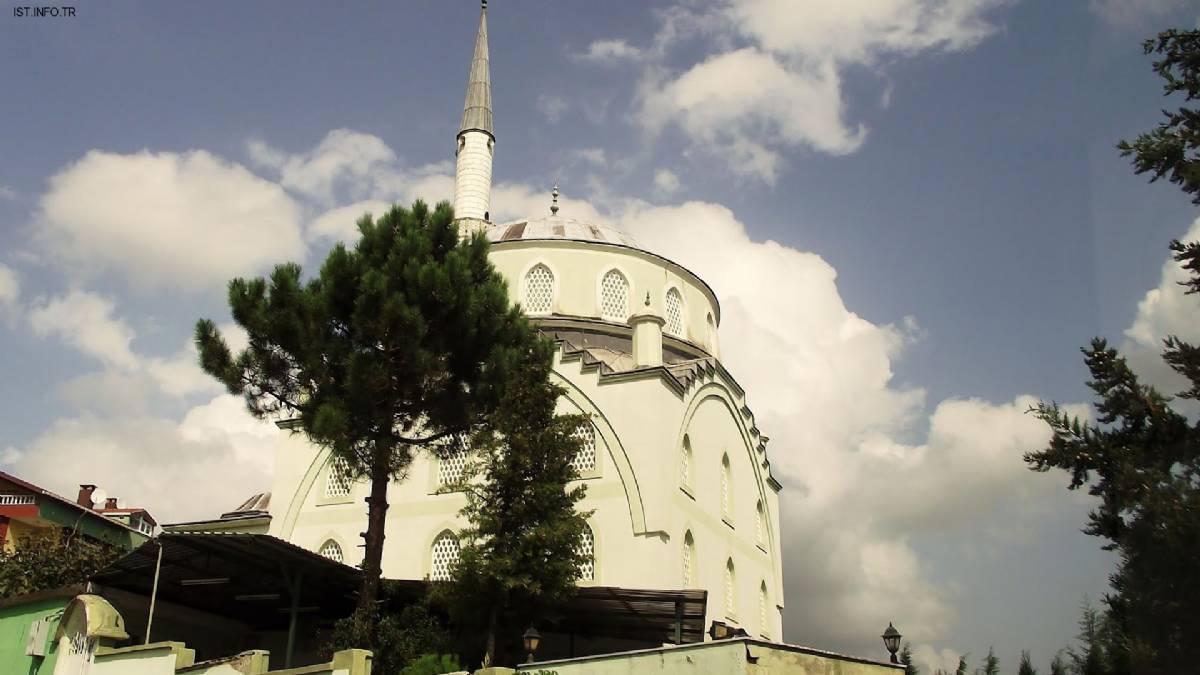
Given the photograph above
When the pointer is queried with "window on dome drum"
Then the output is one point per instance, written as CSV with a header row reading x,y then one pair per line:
x,y
452,460
689,558
443,556
712,334
337,478
614,296
685,464
758,523
585,460
587,548
762,610
332,550
726,480
674,313
539,290
730,591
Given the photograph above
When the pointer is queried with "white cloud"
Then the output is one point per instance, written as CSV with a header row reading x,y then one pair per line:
x,y
343,157
747,103
188,221
1134,13
594,156
339,224
200,467
611,51
85,321
666,181
6,192
552,107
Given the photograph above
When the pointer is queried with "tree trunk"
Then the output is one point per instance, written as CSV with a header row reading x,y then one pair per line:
x,y
376,519
490,653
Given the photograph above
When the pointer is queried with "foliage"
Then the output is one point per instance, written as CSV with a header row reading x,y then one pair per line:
x,y
433,664
1172,149
1140,456
51,558
1059,665
1026,667
906,658
401,341
991,664
398,640
962,665
521,550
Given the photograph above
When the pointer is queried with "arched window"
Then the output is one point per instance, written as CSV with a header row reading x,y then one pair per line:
x,y
332,550
539,290
337,478
689,559
762,610
730,591
674,313
712,334
585,460
726,488
685,463
444,555
452,460
587,549
614,296
759,525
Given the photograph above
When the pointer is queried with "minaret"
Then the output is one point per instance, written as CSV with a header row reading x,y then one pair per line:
x,y
476,141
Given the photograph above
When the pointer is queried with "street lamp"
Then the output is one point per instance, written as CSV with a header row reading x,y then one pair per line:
x,y
532,639
891,640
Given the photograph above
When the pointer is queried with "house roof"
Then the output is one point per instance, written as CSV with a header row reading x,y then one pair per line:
x,y
70,503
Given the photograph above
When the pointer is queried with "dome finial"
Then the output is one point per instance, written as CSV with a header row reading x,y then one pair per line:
x,y
554,199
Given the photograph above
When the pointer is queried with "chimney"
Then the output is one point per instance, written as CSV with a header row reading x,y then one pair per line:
x,y
110,503
85,495
647,337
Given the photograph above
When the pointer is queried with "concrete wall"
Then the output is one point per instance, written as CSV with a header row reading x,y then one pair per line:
x,y
725,657
174,658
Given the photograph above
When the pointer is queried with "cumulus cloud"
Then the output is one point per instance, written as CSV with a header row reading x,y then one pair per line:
x,y
339,224
552,107
772,77
342,158
183,220
666,181
1133,13
180,470
611,51
85,321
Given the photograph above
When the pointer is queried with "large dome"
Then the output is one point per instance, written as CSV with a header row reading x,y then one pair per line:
x,y
558,227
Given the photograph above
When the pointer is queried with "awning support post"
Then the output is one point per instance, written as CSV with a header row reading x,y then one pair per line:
x,y
293,585
154,592
678,621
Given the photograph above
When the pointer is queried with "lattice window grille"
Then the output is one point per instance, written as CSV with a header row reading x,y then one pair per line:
x,y
587,549
614,296
445,555
452,462
762,609
539,290
337,479
758,524
330,549
685,465
674,311
688,554
585,460
730,597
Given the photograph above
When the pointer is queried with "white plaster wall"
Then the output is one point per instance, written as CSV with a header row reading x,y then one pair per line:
x,y
579,266
473,177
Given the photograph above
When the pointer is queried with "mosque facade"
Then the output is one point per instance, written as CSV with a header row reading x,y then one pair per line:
x,y
676,468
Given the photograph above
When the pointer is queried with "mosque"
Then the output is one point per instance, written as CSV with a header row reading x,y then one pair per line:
x,y
676,468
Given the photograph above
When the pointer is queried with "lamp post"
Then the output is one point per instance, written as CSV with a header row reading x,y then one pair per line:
x,y
891,640
532,639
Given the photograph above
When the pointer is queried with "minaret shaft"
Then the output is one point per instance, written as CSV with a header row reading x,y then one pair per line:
x,y
476,141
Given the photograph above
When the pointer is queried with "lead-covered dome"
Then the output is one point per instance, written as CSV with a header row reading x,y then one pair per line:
x,y
558,227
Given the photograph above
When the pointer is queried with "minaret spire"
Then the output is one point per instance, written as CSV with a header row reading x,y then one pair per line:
x,y
476,140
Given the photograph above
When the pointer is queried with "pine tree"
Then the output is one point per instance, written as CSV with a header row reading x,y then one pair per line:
x,y
962,665
405,339
1059,665
1089,659
1026,667
1141,458
521,552
991,664
906,658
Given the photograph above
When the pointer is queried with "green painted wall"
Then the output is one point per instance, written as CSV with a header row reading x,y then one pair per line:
x,y
15,622
95,526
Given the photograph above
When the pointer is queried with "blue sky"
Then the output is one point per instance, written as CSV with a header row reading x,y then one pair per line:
x,y
951,222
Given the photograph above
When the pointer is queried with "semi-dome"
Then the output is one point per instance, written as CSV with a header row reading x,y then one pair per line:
x,y
558,227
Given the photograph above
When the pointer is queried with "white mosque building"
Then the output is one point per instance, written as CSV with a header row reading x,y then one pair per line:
x,y
676,467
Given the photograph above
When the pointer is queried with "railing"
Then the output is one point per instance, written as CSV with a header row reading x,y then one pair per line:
x,y
17,500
